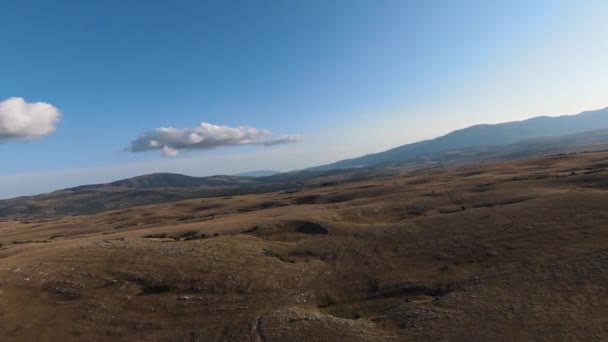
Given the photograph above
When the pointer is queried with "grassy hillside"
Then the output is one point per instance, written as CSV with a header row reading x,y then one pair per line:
x,y
500,251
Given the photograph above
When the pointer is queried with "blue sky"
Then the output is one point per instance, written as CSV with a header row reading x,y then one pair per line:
x,y
348,77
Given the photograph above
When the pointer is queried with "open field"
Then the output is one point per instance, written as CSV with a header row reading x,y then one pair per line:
x,y
503,251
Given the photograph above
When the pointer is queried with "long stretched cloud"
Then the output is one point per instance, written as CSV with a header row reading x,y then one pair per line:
x,y
22,120
170,141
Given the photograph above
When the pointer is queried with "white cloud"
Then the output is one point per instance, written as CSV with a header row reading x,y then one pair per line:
x,y
22,120
170,141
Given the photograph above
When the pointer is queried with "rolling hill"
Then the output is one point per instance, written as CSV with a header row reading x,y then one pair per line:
x,y
168,180
167,187
506,251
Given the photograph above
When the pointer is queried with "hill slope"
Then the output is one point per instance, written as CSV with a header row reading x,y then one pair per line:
x,y
510,251
586,141
168,180
484,135
163,188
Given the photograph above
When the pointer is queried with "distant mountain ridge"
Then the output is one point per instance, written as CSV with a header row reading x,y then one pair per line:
x,y
258,173
165,180
175,180
484,135
162,188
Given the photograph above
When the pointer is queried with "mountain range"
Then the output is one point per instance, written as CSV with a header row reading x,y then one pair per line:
x,y
484,135
507,141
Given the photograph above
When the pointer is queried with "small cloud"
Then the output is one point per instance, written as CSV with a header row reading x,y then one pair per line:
x,y
170,141
22,120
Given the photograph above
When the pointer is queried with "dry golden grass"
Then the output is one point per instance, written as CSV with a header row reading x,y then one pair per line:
x,y
503,251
